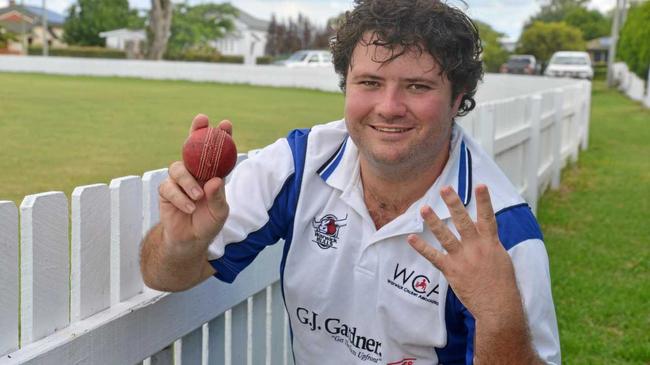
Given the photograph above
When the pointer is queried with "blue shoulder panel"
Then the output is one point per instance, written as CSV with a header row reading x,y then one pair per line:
x,y
238,255
517,224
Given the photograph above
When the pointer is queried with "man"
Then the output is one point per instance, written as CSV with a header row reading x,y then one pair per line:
x,y
346,197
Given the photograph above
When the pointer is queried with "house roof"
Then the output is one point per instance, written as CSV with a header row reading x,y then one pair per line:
x,y
35,13
252,22
16,27
125,33
601,43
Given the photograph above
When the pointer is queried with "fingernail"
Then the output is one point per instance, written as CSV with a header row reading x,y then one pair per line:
x,y
196,193
189,208
425,211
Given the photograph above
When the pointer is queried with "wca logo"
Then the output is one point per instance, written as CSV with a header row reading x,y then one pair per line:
x,y
327,230
415,284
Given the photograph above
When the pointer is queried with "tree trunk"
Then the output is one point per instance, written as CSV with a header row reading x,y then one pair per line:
x,y
160,21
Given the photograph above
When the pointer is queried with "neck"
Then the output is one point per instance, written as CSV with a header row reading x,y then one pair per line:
x,y
388,193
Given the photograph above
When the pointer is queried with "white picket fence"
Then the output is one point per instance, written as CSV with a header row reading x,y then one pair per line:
x,y
632,85
82,300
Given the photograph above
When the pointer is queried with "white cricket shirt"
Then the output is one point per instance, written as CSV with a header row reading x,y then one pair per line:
x,y
358,295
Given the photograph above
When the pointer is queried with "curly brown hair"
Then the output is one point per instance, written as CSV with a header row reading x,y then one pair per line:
x,y
445,32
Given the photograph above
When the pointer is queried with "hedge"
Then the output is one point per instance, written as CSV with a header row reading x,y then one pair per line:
x,y
75,51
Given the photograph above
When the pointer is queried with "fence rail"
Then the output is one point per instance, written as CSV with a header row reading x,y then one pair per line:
x,y
82,300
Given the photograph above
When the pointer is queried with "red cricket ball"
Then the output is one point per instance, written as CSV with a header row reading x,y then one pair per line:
x,y
209,152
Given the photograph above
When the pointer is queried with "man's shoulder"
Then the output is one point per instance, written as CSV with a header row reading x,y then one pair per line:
x,y
318,142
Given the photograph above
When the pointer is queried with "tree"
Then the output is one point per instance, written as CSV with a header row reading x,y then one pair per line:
x,y
493,52
555,11
194,27
633,45
592,23
289,36
87,18
5,37
160,22
543,39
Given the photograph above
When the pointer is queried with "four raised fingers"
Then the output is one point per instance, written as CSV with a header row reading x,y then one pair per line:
x,y
484,229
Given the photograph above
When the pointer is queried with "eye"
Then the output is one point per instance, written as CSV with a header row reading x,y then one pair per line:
x,y
370,84
418,87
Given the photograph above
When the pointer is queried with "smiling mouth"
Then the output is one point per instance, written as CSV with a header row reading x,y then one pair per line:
x,y
391,130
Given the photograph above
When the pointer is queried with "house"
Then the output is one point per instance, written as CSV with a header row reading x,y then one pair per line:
x,y
598,49
131,41
27,23
247,40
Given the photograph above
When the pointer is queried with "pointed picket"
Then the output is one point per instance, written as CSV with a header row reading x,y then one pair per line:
x,y
126,233
91,248
45,265
9,274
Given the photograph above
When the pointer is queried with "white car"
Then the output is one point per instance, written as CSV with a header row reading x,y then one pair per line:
x,y
570,64
307,58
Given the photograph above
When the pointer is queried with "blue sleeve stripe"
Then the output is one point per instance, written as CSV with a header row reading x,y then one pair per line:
x,y
239,255
516,224
460,328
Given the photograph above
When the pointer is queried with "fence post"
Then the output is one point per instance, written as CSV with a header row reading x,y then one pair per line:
x,y
557,138
534,116
126,233
45,265
486,128
9,277
586,115
91,245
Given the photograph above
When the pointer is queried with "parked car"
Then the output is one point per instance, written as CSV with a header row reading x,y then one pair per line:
x,y
521,64
307,58
570,64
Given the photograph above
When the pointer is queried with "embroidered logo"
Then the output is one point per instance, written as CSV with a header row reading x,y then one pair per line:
x,y
326,230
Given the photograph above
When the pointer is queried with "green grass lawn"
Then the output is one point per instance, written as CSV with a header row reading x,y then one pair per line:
x,y
597,233
61,132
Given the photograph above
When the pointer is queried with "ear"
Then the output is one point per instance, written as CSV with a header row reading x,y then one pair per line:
x,y
456,103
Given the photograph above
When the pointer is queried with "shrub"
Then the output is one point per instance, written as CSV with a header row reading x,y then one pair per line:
x,y
264,60
76,51
203,55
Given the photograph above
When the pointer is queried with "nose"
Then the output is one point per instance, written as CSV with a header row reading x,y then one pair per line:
x,y
391,103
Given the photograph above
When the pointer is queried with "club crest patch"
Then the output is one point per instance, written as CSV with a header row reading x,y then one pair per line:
x,y
326,230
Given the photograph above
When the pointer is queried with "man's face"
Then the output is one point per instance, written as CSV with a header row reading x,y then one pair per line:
x,y
400,113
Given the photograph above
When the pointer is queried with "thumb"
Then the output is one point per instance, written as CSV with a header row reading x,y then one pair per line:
x,y
215,194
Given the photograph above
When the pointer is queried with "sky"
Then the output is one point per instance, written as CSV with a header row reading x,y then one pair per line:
x,y
505,16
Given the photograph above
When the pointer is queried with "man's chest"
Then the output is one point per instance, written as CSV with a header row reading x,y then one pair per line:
x,y
344,281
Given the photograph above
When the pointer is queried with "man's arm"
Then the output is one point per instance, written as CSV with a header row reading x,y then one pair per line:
x,y
174,254
481,273
164,268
